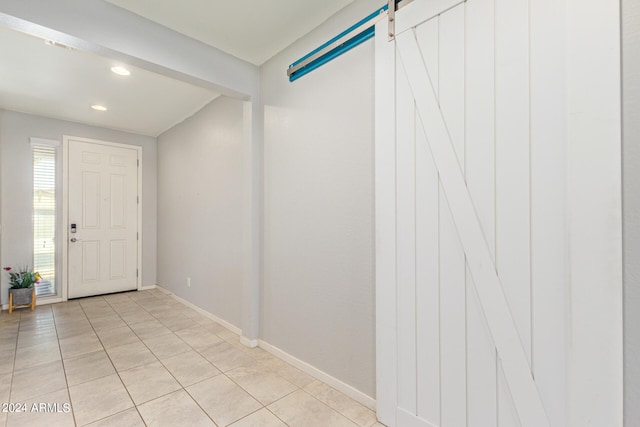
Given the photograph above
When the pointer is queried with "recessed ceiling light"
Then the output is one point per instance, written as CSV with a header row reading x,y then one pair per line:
x,y
121,71
99,107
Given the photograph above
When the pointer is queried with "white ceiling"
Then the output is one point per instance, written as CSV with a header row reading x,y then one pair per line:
x,y
54,81
57,82
253,30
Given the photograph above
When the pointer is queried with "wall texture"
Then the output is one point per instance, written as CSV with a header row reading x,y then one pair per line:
x,y
631,205
317,301
200,209
17,183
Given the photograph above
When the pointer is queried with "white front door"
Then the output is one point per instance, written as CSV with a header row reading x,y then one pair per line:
x,y
102,218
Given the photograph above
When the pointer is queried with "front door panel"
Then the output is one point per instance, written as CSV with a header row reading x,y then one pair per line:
x,y
103,212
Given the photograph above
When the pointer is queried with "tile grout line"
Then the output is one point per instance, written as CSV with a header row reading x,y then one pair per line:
x,y
64,369
152,306
182,387
13,367
113,364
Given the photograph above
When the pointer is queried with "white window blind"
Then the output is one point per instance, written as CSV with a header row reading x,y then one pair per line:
x,y
44,217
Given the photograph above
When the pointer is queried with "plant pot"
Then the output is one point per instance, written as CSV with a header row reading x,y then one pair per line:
x,y
21,296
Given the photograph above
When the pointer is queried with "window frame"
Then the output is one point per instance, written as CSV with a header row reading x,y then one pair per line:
x,y
56,145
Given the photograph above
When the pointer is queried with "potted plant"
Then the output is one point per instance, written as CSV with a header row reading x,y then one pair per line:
x,y
21,288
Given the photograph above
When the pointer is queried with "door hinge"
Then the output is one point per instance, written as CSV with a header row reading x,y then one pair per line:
x,y
137,236
138,162
136,272
138,199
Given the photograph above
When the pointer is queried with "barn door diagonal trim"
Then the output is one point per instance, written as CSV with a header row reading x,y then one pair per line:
x,y
494,303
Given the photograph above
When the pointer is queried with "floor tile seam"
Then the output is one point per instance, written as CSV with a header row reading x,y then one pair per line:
x,y
337,410
150,314
142,339
276,415
149,348
15,358
296,387
200,352
23,400
119,315
171,355
154,398
200,406
201,380
112,364
64,370
100,341
13,370
258,410
92,379
40,395
255,397
162,364
133,403
111,307
117,413
115,346
31,345
332,409
130,328
193,349
66,388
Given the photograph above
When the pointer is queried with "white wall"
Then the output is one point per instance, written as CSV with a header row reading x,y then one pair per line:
x,y
631,204
200,209
317,301
17,183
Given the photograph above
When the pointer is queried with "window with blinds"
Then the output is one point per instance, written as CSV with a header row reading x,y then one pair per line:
x,y
44,217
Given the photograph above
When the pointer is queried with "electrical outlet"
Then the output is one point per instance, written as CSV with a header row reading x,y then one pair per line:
x,y
189,281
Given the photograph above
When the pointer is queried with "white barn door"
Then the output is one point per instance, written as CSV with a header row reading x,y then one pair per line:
x,y
472,251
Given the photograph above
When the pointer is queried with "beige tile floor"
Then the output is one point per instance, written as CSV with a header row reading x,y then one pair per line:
x,y
143,358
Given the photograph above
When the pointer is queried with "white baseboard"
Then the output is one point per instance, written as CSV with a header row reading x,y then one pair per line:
x,y
232,328
248,342
345,388
147,287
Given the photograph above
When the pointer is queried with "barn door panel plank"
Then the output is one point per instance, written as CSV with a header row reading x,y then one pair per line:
x,y
428,38
452,321
427,250
385,233
406,244
513,225
452,259
548,201
480,176
451,64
